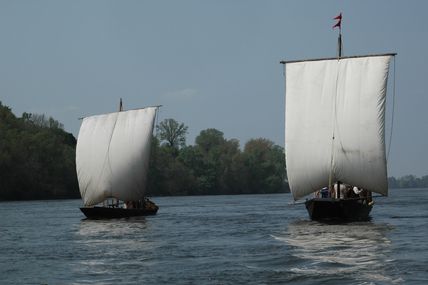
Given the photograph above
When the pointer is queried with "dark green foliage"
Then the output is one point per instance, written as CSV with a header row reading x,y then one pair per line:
x,y
215,165
37,158
167,175
265,166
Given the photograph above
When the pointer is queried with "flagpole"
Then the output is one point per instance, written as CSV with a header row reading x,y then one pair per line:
x,y
339,40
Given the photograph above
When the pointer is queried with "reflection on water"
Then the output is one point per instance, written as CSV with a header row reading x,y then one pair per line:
x,y
123,235
356,250
108,244
111,227
250,239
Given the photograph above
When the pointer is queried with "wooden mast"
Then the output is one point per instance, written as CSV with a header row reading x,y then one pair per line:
x,y
339,40
120,105
339,55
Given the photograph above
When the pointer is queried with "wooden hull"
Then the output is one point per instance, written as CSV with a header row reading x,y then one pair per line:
x,y
114,213
346,210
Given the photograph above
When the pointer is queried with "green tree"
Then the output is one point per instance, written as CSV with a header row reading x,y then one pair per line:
x,y
209,138
424,181
167,174
265,166
36,159
215,165
407,181
392,182
220,164
173,133
208,143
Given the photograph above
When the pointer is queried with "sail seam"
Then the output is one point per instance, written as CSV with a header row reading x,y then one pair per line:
x,y
107,158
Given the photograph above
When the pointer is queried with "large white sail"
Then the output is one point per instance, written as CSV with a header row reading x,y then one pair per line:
x,y
112,155
340,98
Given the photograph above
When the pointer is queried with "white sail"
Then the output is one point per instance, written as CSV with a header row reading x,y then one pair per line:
x,y
344,99
112,155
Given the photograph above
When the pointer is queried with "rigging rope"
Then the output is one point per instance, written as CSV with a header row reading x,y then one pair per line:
x,y
393,112
157,121
330,177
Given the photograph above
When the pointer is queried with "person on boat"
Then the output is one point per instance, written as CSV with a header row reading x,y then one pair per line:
x,y
367,195
113,203
353,192
339,190
357,190
149,205
129,205
348,192
344,191
324,192
363,193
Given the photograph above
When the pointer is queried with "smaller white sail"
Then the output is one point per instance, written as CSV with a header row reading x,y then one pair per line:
x,y
112,155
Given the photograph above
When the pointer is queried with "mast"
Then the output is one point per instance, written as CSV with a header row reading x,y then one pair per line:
x,y
120,105
339,40
339,55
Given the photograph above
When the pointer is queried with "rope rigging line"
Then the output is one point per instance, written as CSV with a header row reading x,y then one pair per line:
x,y
157,120
393,112
330,177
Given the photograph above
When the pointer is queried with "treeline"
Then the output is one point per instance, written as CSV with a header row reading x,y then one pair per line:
x,y
213,165
37,161
37,158
408,181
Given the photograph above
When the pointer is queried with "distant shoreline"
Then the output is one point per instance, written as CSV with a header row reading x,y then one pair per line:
x,y
159,196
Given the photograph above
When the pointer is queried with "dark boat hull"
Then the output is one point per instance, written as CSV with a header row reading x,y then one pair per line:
x,y
114,213
347,210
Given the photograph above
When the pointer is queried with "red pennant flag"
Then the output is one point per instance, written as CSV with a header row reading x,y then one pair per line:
x,y
339,22
337,25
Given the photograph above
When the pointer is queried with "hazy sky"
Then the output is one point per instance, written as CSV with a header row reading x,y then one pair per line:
x,y
211,64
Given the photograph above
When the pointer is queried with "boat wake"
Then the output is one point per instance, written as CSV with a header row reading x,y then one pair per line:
x,y
356,250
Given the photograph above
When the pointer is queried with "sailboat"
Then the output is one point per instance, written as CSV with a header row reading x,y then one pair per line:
x,y
112,161
335,133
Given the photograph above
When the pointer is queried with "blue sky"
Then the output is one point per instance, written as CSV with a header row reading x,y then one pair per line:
x,y
211,64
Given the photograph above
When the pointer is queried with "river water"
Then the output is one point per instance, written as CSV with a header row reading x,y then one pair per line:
x,y
246,239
